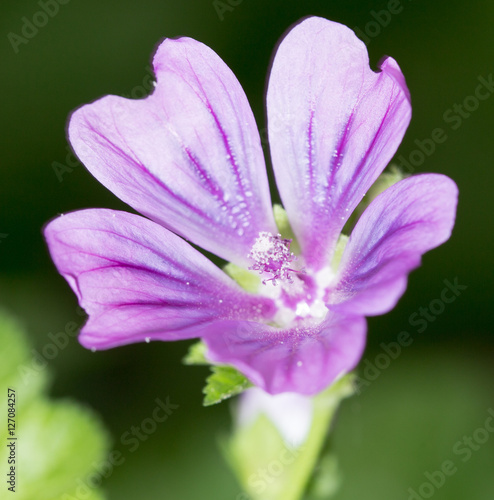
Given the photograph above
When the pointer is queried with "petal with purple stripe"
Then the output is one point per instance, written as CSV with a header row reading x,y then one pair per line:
x,y
138,281
334,124
402,223
304,359
188,156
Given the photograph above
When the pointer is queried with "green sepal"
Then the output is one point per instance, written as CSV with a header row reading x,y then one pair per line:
x,y
223,383
338,252
283,225
196,354
247,280
383,182
251,449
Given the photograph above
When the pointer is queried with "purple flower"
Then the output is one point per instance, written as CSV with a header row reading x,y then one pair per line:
x,y
189,158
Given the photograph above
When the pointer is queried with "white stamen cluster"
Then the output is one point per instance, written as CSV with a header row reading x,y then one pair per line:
x,y
271,254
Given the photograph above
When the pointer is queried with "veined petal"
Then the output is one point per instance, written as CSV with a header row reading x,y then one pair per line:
x,y
405,221
188,156
303,359
334,125
138,281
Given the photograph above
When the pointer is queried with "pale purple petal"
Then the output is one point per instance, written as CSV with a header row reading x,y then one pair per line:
x,y
138,281
188,156
291,413
304,359
334,125
405,221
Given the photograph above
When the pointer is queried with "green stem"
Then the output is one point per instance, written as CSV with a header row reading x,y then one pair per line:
x,y
267,467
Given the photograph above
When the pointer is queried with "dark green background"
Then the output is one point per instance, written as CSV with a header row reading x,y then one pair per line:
x,y
407,421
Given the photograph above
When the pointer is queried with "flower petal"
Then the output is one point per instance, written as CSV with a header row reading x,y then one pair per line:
x,y
405,221
188,156
291,413
137,280
304,360
334,125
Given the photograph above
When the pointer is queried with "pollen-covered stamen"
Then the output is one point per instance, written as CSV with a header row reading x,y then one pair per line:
x,y
271,254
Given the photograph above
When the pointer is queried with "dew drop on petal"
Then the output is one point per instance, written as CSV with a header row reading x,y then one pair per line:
x,y
147,339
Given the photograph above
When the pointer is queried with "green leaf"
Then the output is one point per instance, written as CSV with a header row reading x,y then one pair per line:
x,y
60,446
223,383
21,367
196,355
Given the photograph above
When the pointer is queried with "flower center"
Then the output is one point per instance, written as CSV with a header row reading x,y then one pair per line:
x,y
300,298
271,254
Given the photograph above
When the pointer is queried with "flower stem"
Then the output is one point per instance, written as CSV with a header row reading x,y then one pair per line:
x,y
269,468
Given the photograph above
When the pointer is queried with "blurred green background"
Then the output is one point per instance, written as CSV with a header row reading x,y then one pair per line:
x,y
406,422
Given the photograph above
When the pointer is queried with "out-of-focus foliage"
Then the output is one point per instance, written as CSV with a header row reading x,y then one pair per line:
x,y
59,445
